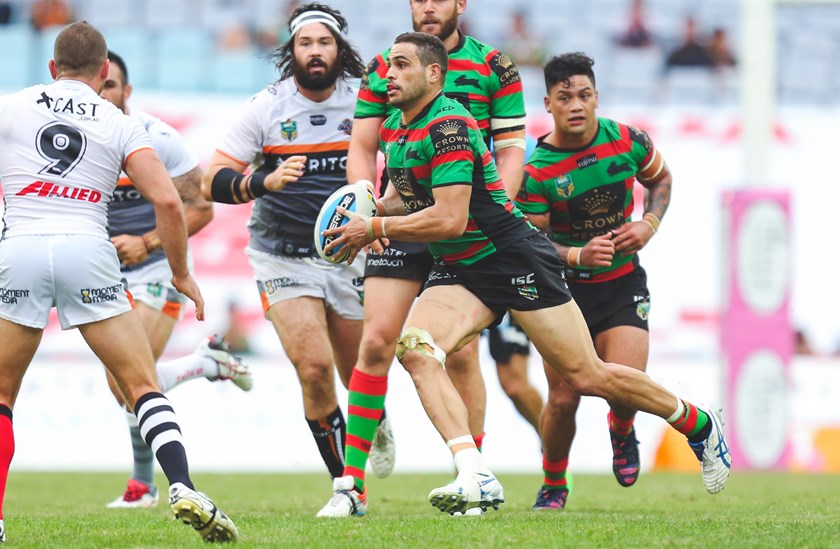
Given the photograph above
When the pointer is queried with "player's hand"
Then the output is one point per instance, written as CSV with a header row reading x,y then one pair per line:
x,y
631,237
378,246
287,172
598,252
130,249
189,287
356,234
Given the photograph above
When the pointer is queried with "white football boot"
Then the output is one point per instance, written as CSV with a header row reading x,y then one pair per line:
x,y
713,454
137,496
345,501
197,510
230,366
468,491
383,450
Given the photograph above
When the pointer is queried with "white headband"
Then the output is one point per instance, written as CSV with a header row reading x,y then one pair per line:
x,y
308,17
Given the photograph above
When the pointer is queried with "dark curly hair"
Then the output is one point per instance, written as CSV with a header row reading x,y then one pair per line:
x,y
561,69
349,59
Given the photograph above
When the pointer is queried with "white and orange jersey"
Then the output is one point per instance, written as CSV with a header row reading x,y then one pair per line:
x,y
280,122
129,212
62,148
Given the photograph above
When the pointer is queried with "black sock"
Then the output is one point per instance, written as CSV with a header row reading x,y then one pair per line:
x,y
702,434
330,435
160,430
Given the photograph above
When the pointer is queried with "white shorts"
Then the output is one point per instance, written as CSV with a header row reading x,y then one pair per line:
x,y
79,275
342,286
152,286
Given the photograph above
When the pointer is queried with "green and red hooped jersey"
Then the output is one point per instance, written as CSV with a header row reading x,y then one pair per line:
x,y
588,191
443,146
481,78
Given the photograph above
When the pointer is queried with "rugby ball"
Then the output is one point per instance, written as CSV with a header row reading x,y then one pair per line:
x,y
353,198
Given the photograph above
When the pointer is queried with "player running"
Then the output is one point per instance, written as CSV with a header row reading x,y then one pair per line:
x,y
132,227
62,148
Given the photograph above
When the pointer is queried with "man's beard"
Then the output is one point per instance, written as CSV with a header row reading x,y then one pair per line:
x,y
446,28
316,82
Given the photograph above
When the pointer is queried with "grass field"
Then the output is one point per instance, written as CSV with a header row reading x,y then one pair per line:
x,y
278,510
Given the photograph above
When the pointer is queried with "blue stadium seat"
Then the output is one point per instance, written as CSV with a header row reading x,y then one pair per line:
x,y
17,44
239,71
137,47
42,52
184,59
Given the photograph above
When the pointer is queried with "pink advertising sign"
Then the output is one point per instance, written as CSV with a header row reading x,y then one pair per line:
x,y
756,334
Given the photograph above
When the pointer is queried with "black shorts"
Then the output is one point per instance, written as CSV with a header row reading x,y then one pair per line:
x,y
411,260
527,276
622,301
506,339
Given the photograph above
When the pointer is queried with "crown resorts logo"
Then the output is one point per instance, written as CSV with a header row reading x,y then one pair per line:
x,y
505,61
598,203
449,128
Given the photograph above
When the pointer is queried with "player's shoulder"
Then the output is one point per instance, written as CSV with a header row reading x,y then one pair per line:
x,y
447,118
619,130
446,107
152,124
13,98
347,88
276,92
500,64
471,43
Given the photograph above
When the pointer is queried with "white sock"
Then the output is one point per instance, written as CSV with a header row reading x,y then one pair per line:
x,y
468,461
678,414
174,372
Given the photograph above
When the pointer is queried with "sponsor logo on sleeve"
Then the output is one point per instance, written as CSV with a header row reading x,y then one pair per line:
x,y
450,135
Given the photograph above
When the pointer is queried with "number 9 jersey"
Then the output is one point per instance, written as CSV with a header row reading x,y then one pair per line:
x,y
62,148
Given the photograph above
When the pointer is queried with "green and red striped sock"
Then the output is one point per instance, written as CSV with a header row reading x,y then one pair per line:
x,y
479,441
366,403
555,474
689,420
620,427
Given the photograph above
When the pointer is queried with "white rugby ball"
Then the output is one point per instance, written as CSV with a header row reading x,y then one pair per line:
x,y
353,198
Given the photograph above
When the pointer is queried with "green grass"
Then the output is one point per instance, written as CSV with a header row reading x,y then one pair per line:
x,y
755,510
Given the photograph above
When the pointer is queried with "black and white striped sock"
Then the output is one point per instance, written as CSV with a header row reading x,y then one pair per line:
x,y
159,428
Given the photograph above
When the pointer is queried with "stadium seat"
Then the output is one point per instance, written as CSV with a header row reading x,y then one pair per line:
x,y
692,85
184,59
42,52
16,70
240,71
137,46
108,13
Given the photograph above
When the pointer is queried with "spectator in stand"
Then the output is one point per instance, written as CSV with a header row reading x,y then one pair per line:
x,y
236,37
719,50
50,13
637,34
692,52
6,12
522,44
